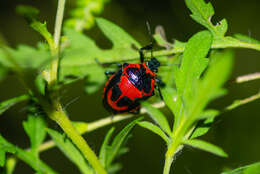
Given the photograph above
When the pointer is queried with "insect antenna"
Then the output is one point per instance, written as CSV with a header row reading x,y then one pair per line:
x,y
151,37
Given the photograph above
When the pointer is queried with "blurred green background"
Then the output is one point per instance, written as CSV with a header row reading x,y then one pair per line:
x,y
237,132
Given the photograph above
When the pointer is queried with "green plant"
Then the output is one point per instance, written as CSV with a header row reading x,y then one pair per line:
x,y
46,69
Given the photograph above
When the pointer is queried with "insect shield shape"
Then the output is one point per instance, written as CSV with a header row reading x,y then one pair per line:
x,y
131,84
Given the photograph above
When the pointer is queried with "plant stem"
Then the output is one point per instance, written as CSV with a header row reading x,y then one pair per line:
x,y
83,127
88,127
226,42
176,145
55,50
55,111
248,77
167,164
27,157
61,118
173,149
58,22
238,103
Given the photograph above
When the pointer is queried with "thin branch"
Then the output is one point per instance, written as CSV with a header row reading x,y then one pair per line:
x,y
58,22
238,103
248,77
55,50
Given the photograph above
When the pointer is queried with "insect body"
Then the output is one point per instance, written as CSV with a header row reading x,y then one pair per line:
x,y
131,84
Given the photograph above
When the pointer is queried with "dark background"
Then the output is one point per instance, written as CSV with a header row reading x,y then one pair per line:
x,y
237,132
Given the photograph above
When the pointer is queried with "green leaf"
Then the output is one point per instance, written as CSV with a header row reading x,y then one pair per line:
x,y
202,13
155,129
5,105
186,77
80,58
42,29
168,77
28,60
35,129
170,99
4,148
193,63
179,46
105,146
30,13
25,156
68,148
25,57
209,114
114,168
118,141
212,81
206,147
204,126
118,36
248,169
158,117
10,165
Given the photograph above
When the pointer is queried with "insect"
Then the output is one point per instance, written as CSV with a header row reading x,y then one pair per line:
x,y
131,84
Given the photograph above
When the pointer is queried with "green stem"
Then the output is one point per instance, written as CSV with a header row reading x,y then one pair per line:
x,y
83,127
10,165
58,22
226,42
35,163
55,50
176,144
238,103
27,157
173,149
55,111
167,164
61,118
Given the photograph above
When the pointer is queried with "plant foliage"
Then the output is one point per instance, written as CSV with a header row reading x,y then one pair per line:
x,y
196,80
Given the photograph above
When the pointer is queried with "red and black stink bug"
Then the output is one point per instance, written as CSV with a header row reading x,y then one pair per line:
x,y
131,84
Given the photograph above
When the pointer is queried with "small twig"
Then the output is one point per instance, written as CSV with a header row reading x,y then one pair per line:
x,y
238,103
248,77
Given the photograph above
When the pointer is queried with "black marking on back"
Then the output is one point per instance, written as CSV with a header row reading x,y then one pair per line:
x,y
124,101
116,93
130,71
147,83
135,76
125,64
140,79
113,82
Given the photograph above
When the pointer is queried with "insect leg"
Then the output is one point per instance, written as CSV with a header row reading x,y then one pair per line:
x,y
159,83
147,47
